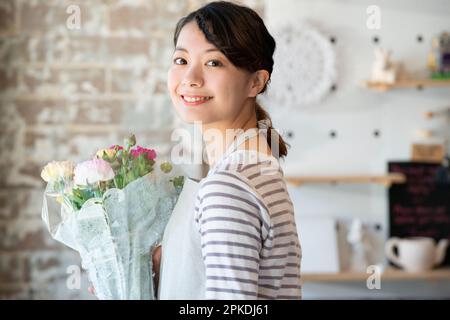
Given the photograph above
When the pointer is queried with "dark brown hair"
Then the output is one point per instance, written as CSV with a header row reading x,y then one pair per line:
x,y
240,34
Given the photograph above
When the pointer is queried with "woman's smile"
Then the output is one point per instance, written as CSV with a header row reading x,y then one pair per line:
x,y
191,100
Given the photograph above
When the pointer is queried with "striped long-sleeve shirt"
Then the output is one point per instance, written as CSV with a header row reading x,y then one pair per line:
x,y
249,240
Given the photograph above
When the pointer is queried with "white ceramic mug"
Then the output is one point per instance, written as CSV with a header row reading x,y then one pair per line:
x,y
414,254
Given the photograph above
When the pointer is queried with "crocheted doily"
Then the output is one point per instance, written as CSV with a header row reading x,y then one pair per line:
x,y
304,69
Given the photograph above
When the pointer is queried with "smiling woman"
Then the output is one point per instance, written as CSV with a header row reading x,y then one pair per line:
x,y
202,74
223,53
233,235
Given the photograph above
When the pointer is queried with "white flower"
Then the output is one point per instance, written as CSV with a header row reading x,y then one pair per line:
x,y
93,171
57,170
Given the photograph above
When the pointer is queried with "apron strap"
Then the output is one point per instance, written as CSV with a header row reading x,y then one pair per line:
x,y
240,139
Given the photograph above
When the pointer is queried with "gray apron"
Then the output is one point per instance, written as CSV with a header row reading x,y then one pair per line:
x,y
182,270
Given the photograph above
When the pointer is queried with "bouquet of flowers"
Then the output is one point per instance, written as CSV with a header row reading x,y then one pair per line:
x,y
113,210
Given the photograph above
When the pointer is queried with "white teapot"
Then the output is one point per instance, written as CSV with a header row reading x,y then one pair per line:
x,y
416,254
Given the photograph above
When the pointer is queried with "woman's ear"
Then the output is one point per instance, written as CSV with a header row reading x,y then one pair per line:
x,y
259,80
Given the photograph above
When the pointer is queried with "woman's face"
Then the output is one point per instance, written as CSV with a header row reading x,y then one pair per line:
x,y
203,84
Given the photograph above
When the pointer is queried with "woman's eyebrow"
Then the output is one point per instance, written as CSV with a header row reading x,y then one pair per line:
x,y
185,50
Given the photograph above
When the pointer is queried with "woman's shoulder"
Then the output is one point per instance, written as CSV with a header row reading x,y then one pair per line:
x,y
255,167
242,174
225,179
227,193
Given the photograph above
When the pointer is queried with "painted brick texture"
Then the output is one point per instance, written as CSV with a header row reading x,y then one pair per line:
x,y
63,94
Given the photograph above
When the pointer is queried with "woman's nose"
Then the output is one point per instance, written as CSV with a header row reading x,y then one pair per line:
x,y
193,78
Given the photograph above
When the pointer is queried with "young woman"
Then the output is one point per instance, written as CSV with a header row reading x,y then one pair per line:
x,y
233,234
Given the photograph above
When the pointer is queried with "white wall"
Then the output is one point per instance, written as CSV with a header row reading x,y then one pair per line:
x,y
355,112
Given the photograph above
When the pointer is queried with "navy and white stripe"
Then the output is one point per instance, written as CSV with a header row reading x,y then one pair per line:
x,y
249,239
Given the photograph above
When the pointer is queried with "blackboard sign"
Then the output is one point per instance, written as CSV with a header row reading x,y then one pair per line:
x,y
421,206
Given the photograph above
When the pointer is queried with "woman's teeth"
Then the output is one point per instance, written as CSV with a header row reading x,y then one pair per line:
x,y
196,99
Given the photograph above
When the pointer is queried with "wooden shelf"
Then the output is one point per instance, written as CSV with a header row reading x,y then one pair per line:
x,y
385,180
412,83
389,274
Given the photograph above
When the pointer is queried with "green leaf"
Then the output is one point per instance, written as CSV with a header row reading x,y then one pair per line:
x,y
130,176
178,182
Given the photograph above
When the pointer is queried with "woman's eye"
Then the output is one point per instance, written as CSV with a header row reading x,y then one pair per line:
x,y
179,61
214,63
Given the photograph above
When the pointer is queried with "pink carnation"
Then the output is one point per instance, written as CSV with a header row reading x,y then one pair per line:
x,y
93,171
136,152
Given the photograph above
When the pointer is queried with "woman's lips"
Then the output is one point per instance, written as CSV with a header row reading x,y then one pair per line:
x,y
194,100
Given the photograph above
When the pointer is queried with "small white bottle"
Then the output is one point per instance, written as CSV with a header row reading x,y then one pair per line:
x,y
358,240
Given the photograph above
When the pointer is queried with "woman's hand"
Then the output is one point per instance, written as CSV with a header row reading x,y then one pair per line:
x,y
156,260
